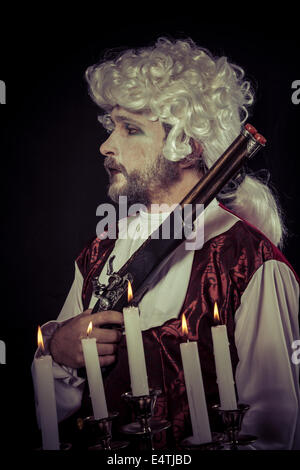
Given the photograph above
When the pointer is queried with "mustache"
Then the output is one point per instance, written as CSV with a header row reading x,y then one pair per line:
x,y
111,164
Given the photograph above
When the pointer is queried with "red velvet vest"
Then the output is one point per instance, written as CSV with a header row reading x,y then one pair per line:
x,y
221,271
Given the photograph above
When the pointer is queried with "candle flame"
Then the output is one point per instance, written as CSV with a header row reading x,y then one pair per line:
x,y
184,325
40,339
216,314
89,329
129,292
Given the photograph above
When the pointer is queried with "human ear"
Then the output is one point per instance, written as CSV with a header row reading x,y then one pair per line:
x,y
192,159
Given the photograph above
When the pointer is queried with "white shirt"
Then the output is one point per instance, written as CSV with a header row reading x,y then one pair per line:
x,y
266,378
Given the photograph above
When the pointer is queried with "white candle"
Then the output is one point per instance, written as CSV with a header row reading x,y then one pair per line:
x,y
225,378
94,375
195,391
45,392
136,354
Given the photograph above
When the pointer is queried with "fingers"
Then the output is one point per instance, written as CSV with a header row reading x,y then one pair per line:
x,y
106,349
107,354
108,333
104,335
107,360
66,347
108,317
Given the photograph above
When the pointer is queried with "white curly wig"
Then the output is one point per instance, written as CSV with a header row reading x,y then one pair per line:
x,y
194,95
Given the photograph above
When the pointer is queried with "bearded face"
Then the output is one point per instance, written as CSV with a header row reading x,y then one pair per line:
x,y
141,185
134,160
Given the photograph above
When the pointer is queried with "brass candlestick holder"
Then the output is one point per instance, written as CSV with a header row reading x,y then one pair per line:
x,y
232,420
145,425
101,429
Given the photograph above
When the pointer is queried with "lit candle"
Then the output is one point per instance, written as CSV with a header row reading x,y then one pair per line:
x,y
45,392
223,364
195,390
94,375
135,349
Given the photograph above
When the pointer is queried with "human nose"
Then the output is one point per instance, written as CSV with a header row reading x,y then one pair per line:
x,y
108,147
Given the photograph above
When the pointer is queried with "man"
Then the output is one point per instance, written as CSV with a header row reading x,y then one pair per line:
x,y
171,110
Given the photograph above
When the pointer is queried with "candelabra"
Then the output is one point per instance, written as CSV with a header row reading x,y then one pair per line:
x,y
232,420
101,429
231,438
145,425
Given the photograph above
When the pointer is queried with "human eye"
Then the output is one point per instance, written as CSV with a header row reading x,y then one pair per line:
x,y
132,130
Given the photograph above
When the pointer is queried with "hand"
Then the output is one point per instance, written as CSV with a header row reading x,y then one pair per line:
x,y
65,345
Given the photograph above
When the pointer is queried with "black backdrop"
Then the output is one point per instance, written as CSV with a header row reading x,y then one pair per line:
x,y
52,179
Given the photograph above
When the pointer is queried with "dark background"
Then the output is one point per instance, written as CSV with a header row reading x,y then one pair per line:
x,y
52,179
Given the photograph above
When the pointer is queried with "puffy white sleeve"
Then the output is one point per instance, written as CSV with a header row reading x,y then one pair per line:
x,y
68,386
267,379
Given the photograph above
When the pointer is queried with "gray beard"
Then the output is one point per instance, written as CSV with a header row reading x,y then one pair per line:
x,y
142,187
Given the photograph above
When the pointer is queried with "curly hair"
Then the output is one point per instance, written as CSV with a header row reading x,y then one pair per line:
x,y
194,95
